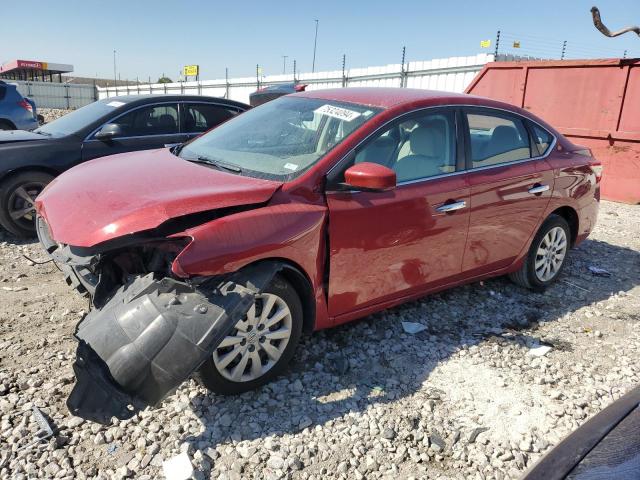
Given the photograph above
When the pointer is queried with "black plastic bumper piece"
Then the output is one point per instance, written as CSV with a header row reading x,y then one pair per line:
x,y
151,336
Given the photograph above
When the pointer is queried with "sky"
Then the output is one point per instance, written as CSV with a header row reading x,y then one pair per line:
x,y
156,37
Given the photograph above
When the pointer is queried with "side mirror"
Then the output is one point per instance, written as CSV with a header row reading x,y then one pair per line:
x,y
369,176
109,131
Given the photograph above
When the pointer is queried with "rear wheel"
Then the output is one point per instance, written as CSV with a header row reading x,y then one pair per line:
x,y
17,202
4,125
261,344
547,255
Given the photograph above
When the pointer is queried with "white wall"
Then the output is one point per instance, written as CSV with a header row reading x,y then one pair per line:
x,y
448,74
57,95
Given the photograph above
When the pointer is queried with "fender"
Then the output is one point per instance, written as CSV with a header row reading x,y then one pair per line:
x,y
293,232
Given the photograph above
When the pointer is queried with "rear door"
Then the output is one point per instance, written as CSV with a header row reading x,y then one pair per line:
x,y
143,128
386,245
198,117
511,184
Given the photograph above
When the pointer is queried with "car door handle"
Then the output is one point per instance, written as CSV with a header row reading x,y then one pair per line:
x,y
536,189
451,207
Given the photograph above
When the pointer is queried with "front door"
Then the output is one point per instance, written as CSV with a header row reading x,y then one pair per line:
x,y
510,188
387,245
143,128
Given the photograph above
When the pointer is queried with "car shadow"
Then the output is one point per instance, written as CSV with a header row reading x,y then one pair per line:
x,y
365,364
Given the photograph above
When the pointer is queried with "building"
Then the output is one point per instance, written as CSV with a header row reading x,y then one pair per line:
x,y
34,70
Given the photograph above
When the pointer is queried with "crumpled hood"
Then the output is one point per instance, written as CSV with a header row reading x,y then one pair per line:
x,y
131,192
10,136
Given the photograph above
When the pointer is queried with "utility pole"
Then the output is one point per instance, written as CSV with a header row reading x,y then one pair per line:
x,y
624,55
315,44
115,77
564,49
284,63
495,55
294,70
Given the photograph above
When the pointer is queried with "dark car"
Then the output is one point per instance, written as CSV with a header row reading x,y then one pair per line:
x,y
266,94
30,160
606,447
220,253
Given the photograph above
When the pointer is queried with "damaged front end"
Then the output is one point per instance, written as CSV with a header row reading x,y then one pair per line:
x,y
148,331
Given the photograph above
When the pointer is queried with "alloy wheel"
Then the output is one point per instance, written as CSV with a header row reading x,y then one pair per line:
x,y
257,342
22,208
551,254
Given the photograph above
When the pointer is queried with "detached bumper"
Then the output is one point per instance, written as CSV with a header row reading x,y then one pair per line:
x,y
151,336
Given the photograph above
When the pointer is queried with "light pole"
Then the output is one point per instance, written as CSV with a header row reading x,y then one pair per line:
x,y
315,43
284,63
114,69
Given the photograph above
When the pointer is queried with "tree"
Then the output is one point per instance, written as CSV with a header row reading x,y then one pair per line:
x,y
164,79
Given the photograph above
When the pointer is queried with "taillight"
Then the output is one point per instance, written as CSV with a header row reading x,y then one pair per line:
x,y
597,170
26,105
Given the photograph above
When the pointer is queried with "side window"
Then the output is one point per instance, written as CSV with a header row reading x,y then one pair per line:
x,y
200,117
3,92
151,120
421,147
497,139
542,138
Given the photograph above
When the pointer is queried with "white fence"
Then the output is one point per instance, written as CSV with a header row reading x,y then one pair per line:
x,y
448,74
57,95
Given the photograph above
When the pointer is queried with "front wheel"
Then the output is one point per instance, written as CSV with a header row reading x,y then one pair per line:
x,y
261,344
17,202
547,255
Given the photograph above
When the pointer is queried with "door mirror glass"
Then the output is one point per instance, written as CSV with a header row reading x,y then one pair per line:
x,y
109,131
370,177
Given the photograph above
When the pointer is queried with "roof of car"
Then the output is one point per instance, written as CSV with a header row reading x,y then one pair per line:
x,y
382,97
169,97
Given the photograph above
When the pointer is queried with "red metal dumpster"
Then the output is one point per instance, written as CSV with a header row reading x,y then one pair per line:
x,y
596,103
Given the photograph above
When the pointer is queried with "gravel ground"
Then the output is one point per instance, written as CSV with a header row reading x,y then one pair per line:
x,y
464,398
50,114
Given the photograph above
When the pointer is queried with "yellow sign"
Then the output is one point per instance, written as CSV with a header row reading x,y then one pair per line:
x,y
485,43
191,70
516,44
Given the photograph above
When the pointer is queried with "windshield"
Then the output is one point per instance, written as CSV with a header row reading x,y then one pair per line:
x,y
280,139
79,119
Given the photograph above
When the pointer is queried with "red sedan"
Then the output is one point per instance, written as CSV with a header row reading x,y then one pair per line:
x,y
307,212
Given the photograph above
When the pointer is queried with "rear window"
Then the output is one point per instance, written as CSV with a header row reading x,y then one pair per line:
x,y
542,138
497,139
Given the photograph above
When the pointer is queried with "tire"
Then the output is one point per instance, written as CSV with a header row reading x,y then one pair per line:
x,y
219,380
539,279
12,202
4,125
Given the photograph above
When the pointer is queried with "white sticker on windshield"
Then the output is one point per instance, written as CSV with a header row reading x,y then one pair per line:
x,y
337,112
290,166
115,104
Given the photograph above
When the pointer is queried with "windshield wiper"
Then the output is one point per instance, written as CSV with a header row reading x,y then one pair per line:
x,y
216,163
40,132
